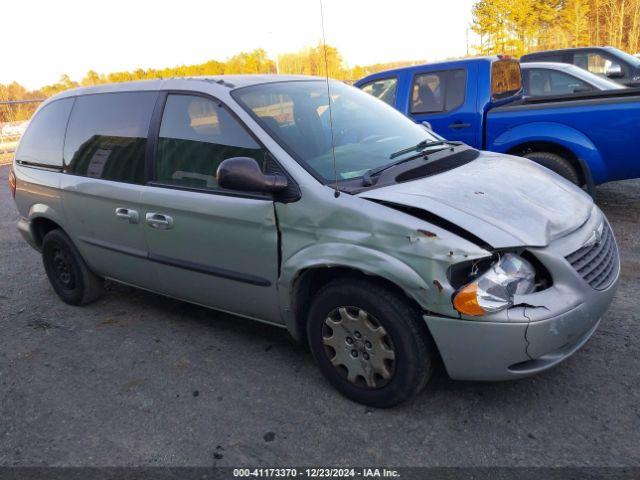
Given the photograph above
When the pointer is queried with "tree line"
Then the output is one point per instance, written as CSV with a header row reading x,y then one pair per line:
x,y
519,26
308,61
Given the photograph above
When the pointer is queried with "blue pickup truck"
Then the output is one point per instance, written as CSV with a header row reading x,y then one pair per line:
x,y
589,138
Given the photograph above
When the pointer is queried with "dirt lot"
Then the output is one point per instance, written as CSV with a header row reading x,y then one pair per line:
x,y
138,379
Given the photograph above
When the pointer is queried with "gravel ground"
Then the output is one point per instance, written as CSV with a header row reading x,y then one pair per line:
x,y
137,379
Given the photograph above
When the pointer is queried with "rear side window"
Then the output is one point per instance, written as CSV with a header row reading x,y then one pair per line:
x,y
196,135
42,143
383,89
540,82
107,136
437,92
506,78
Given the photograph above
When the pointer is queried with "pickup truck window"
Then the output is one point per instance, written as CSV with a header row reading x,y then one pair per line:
x,y
506,79
365,131
593,62
383,89
437,92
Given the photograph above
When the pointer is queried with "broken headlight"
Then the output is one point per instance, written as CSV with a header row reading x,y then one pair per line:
x,y
494,289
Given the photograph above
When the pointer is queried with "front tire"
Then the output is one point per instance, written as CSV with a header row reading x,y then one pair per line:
x,y
555,163
68,273
370,343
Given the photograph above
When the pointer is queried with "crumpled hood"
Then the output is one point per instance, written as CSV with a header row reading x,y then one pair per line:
x,y
504,200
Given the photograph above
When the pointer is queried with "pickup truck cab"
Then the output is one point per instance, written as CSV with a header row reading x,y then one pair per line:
x,y
585,137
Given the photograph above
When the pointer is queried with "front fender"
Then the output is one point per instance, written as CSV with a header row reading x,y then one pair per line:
x,y
555,133
364,259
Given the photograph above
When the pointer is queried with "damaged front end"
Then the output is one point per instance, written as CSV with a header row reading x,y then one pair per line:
x,y
525,311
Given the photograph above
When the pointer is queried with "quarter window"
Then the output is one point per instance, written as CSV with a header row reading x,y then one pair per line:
x,y
437,92
383,89
42,142
107,135
196,135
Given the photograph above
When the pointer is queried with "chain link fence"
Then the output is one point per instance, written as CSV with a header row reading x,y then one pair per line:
x,y
14,115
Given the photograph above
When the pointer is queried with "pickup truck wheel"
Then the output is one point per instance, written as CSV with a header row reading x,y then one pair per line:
x,y
370,343
68,273
555,163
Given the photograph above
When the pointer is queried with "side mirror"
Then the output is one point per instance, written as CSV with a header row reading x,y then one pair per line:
x,y
427,125
244,174
614,71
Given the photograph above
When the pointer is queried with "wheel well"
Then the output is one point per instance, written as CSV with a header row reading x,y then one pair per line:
x,y
40,227
308,282
550,147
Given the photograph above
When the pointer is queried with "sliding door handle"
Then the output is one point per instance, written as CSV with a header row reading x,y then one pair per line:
x,y
159,221
127,214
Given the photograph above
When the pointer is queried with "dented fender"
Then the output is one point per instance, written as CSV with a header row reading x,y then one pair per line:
x,y
366,260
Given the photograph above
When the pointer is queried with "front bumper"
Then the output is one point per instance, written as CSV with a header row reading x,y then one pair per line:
x,y
545,329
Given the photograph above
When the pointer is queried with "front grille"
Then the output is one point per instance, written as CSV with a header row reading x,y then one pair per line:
x,y
598,263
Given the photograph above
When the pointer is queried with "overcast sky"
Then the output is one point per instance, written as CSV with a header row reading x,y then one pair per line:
x,y
41,40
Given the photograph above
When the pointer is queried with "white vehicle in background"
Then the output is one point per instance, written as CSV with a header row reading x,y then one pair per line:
x,y
553,78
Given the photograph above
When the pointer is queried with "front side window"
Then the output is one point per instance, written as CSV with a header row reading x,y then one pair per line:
x,y
593,62
196,135
542,82
42,142
437,92
365,131
107,135
383,89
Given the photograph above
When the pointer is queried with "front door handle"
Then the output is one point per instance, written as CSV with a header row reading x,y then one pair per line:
x,y
127,214
159,221
459,125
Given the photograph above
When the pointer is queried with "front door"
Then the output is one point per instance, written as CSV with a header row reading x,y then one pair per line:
x,y
213,247
440,98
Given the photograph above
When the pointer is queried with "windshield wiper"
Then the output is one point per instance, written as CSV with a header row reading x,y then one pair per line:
x,y
367,181
366,178
418,147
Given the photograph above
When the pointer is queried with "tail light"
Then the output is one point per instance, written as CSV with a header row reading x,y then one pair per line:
x,y
12,182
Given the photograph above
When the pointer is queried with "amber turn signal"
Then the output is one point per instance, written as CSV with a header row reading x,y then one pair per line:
x,y
466,301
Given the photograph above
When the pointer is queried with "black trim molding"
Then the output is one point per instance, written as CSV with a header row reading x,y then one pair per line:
x,y
186,265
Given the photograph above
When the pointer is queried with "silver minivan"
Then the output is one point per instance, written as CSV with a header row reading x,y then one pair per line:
x,y
379,244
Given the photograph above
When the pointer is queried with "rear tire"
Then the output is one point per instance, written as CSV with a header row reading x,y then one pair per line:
x,y
68,273
383,352
555,163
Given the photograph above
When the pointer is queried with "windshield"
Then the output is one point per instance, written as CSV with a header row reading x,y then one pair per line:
x,y
625,56
366,131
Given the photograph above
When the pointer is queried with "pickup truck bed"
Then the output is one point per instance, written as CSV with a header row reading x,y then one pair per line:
x,y
600,129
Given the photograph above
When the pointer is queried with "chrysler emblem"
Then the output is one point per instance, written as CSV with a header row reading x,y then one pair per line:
x,y
596,237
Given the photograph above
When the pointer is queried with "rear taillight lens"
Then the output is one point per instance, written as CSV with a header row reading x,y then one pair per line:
x,y
12,182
